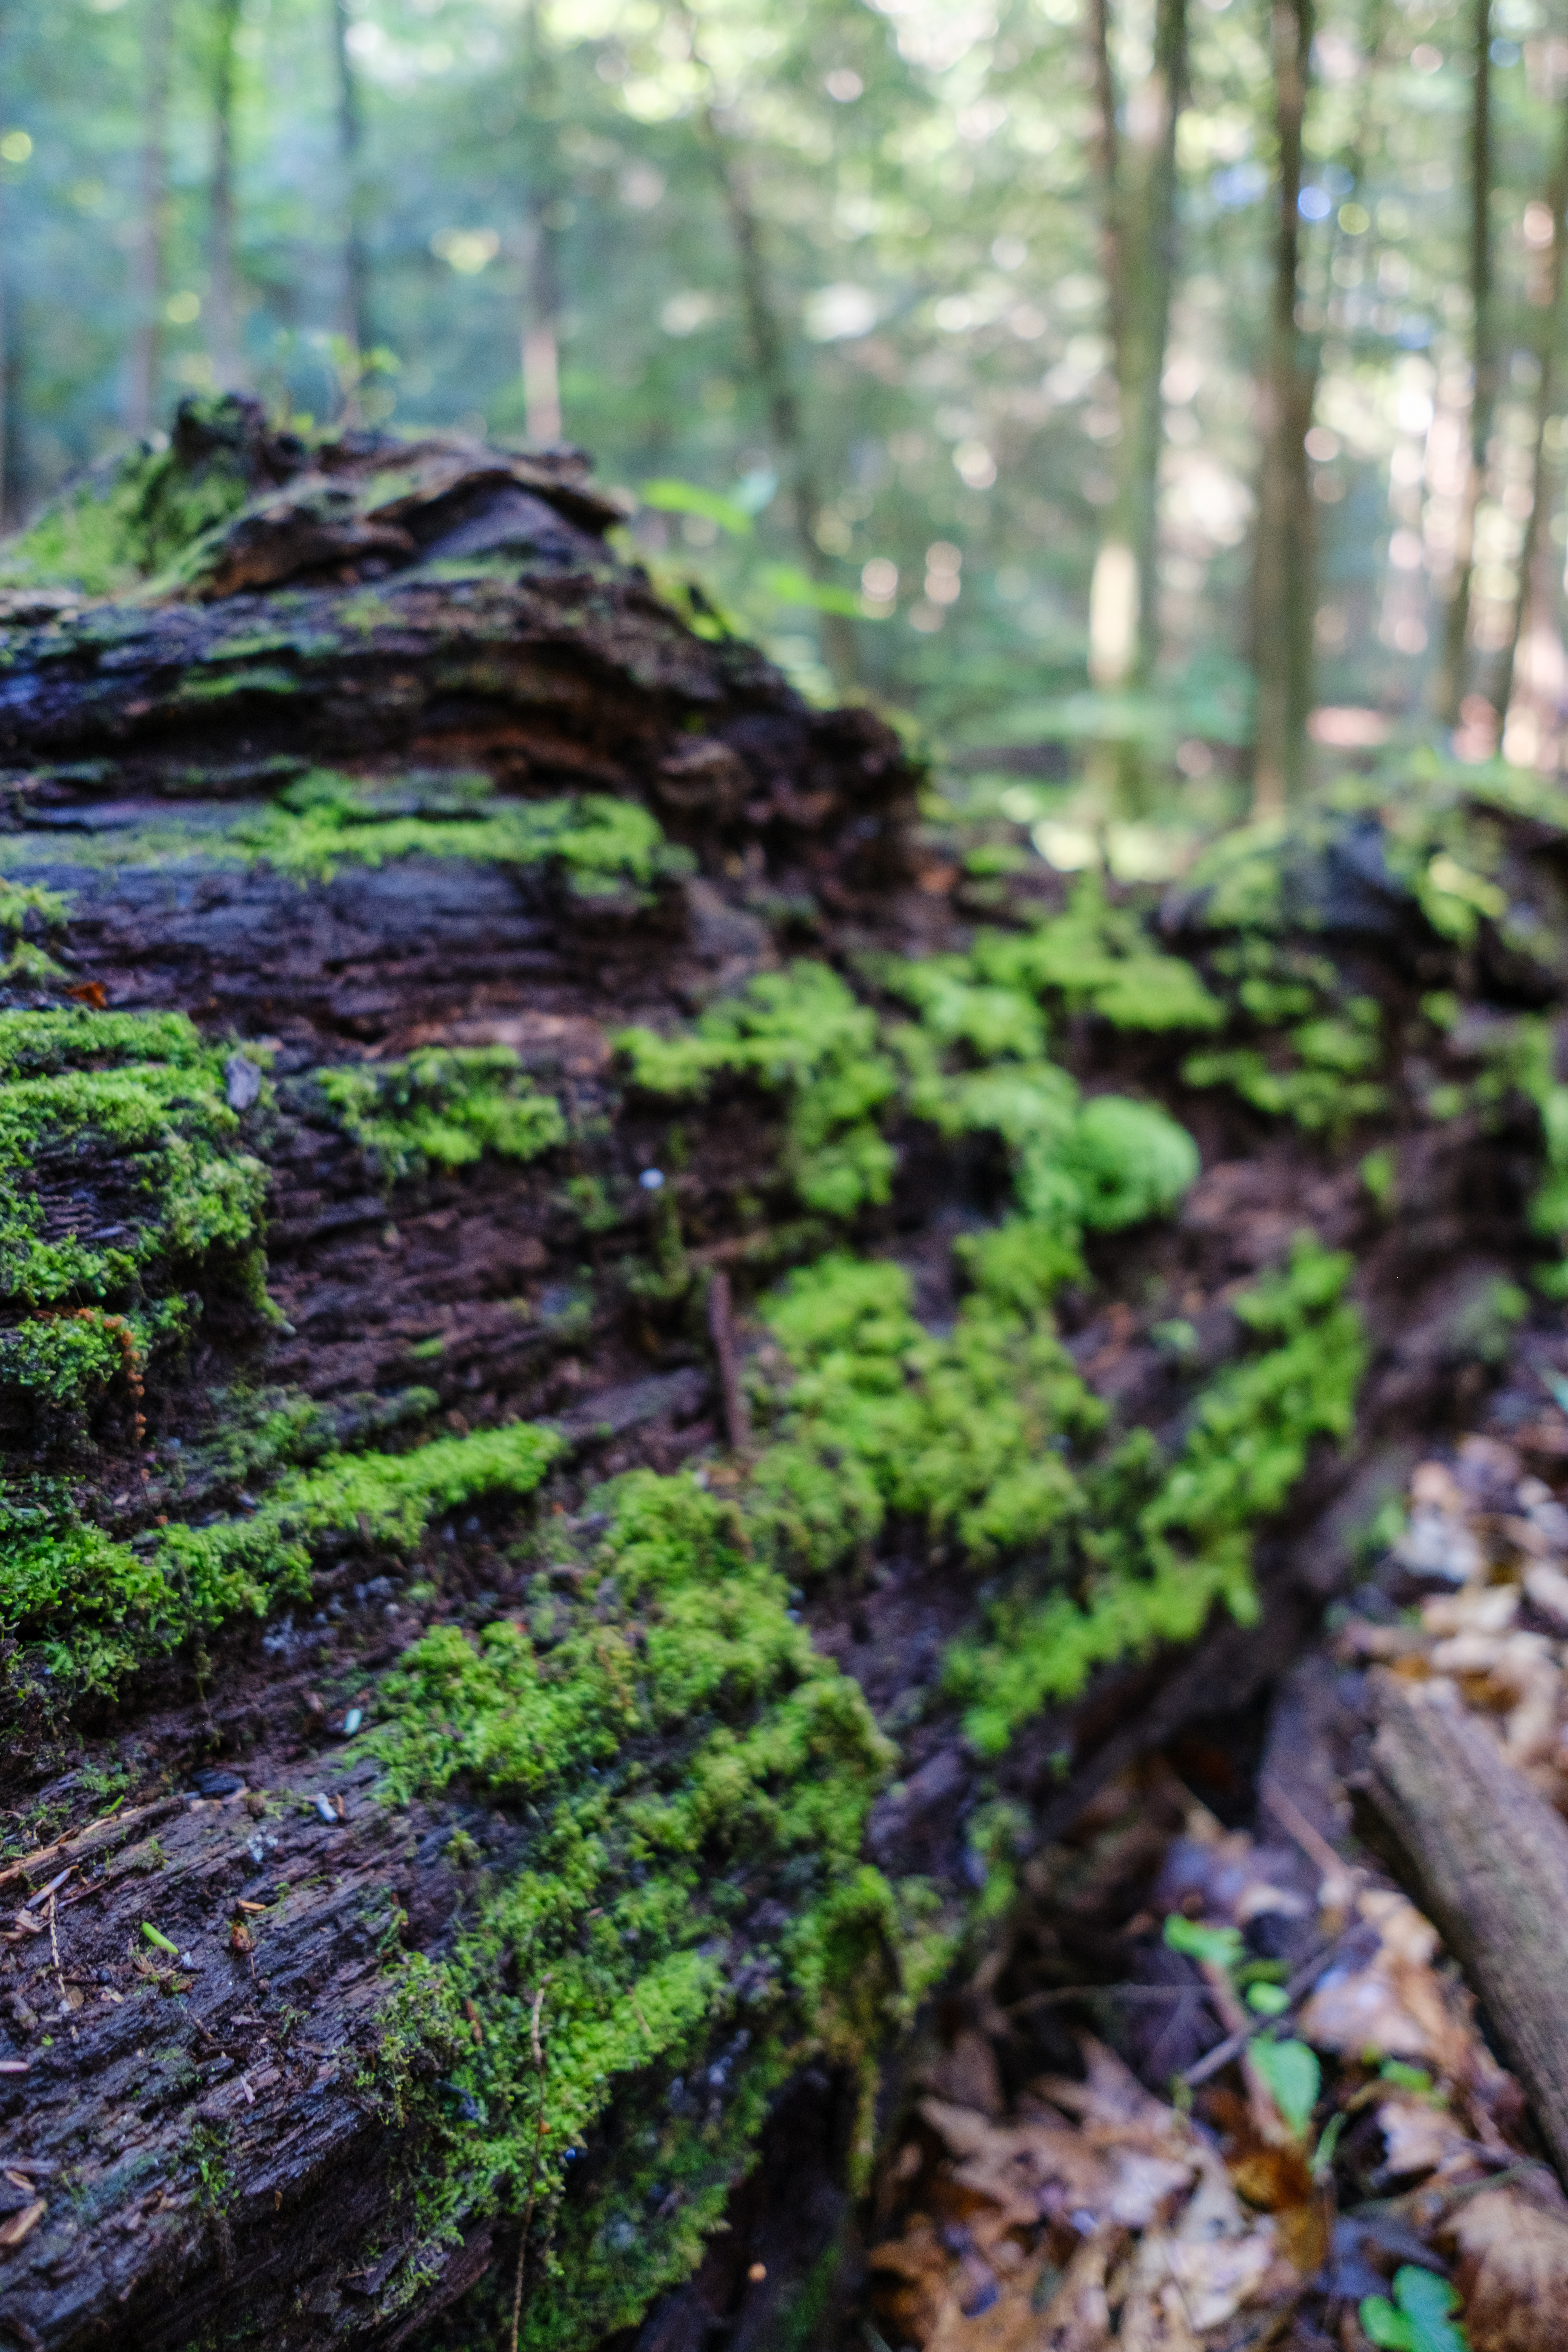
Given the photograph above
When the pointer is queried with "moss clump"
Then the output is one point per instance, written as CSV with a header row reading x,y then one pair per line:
x,y
1160,1545
442,1106
1312,1048
1097,958
683,1759
30,915
123,1173
801,1034
124,522
600,846
94,1609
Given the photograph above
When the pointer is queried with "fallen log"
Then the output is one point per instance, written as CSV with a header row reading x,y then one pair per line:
x,y
624,1368
1488,1858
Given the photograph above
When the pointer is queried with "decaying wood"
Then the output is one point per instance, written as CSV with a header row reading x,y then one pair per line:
x,y
1491,1859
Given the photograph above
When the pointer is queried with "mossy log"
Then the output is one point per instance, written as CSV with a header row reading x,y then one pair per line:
x,y
490,1706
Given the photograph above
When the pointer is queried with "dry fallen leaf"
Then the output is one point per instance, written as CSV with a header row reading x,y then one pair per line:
x,y
1513,2272
21,2225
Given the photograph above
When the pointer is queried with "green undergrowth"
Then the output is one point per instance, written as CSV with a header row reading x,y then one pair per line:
x,y
123,1174
693,1918
88,1609
603,847
1312,1050
442,1106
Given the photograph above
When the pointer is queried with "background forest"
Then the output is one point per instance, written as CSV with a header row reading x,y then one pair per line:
x,y
1109,386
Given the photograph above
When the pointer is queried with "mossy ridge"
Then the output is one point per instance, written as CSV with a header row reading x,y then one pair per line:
x,y
136,1102
444,1106
683,1756
601,844
89,1610
1160,1545
30,915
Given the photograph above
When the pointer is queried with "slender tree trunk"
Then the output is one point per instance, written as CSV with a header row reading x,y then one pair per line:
x,y
770,358
541,302
1283,597
355,297
1542,473
149,255
5,322
1139,189
222,303
1451,673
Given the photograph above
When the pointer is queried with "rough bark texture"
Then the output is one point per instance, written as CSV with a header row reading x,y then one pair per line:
x,y
259,2135
1491,1858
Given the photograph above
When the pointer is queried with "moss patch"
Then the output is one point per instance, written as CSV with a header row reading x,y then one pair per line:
x,y
444,1108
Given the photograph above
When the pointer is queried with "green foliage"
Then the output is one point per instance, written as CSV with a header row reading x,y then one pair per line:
x,y
446,1106
1294,2078
680,1749
1418,2319
1097,958
1221,1947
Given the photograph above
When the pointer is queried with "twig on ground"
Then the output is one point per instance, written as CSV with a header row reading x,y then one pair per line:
x,y
533,2168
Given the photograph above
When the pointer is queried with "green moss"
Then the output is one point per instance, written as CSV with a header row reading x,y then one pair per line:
x,y
1097,958
94,1609
446,1106
601,846
801,1034
1316,1064
117,526
1163,1545
683,1756
29,914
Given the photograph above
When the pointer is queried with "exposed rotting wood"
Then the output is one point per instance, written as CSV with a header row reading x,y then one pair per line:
x,y
1489,1858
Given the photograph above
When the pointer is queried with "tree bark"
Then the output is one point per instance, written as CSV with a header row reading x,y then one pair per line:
x,y
354,291
149,261
223,292
1138,178
1284,594
1542,474
1491,1858
1452,676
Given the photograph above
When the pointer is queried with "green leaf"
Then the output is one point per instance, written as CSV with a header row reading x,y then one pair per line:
x,y
163,1942
1404,2077
672,497
1222,1947
1421,2322
793,586
1293,2076
1267,1999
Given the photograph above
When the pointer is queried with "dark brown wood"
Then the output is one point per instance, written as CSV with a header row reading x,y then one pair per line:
x,y
1490,1860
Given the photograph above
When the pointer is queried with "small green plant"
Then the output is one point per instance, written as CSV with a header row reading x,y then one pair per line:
x,y
1418,2319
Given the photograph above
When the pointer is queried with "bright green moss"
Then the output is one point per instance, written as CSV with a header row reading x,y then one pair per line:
x,y
92,1608
125,1117
446,1106
1097,958
106,533
28,914
800,1033
1316,1063
601,846
683,1754
1165,1545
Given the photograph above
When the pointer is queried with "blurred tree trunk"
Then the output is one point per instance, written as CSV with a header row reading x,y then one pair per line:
x,y
148,259
542,302
1138,179
222,304
1283,599
765,333
1449,689
4,299
355,296
1547,295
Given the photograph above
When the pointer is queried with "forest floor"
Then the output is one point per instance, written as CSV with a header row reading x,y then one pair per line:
x,y
1221,2086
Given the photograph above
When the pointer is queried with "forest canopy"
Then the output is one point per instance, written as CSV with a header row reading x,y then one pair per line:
x,y
1061,372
